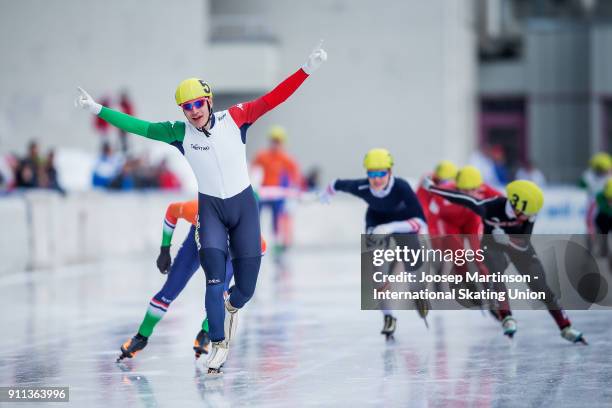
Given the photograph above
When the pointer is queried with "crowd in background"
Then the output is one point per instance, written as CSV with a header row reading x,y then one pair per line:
x,y
496,170
118,169
31,171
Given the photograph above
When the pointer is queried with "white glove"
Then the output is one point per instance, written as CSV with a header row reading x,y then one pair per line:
x,y
383,229
427,183
326,195
85,101
500,236
317,57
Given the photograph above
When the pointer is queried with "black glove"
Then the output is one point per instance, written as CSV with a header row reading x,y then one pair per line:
x,y
164,260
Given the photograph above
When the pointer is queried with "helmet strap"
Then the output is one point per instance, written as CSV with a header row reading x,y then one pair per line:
x,y
203,128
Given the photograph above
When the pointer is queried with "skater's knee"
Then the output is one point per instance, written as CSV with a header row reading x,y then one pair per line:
x,y
246,271
213,262
245,278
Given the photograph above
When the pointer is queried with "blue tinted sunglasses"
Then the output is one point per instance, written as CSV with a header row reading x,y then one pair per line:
x,y
377,173
193,104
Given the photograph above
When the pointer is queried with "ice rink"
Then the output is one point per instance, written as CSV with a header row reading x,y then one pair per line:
x,y
302,341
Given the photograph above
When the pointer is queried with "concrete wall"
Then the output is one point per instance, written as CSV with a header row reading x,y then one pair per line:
x,y
564,73
503,77
49,48
601,80
399,75
558,82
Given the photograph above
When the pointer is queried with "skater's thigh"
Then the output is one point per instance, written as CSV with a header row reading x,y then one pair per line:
x,y
211,230
245,234
187,255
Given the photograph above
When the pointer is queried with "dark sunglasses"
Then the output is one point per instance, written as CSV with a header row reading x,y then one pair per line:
x,y
193,104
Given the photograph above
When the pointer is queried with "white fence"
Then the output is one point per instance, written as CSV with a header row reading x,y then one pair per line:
x,y
43,229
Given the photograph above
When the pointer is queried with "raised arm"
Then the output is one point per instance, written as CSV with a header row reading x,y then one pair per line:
x,y
245,114
168,132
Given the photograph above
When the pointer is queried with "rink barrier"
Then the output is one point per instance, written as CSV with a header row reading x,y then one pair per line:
x,y
49,230
44,229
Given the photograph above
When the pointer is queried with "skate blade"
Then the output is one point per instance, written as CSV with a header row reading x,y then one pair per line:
x,y
510,335
214,372
426,323
583,341
122,357
389,338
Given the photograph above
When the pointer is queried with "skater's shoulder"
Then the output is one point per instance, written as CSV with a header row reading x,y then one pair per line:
x,y
401,183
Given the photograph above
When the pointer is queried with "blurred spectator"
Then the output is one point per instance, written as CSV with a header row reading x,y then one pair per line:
x,y
107,168
49,173
8,167
281,174
28,170
126,106
126,179
312,178
528,171
499,165
102,126
167,180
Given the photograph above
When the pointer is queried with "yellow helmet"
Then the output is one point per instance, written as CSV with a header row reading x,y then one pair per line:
x,y
378,159
601,162
608,189
191,89
445,170
468,178
278,133
525,196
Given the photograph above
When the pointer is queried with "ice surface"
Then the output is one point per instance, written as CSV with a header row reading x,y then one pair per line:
x,y
302,341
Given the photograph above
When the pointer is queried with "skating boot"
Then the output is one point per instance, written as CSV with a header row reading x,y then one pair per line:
x,y
217,356
573,335
509,326
201,344
131,347
423,310
231,321
389,327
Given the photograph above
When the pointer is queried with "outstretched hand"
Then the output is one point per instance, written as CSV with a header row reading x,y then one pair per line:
x,y
317,57
325,196
85,101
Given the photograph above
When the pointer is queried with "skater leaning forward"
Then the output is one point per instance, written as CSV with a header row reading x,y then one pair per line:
x,y
514,214
393,208
214,145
